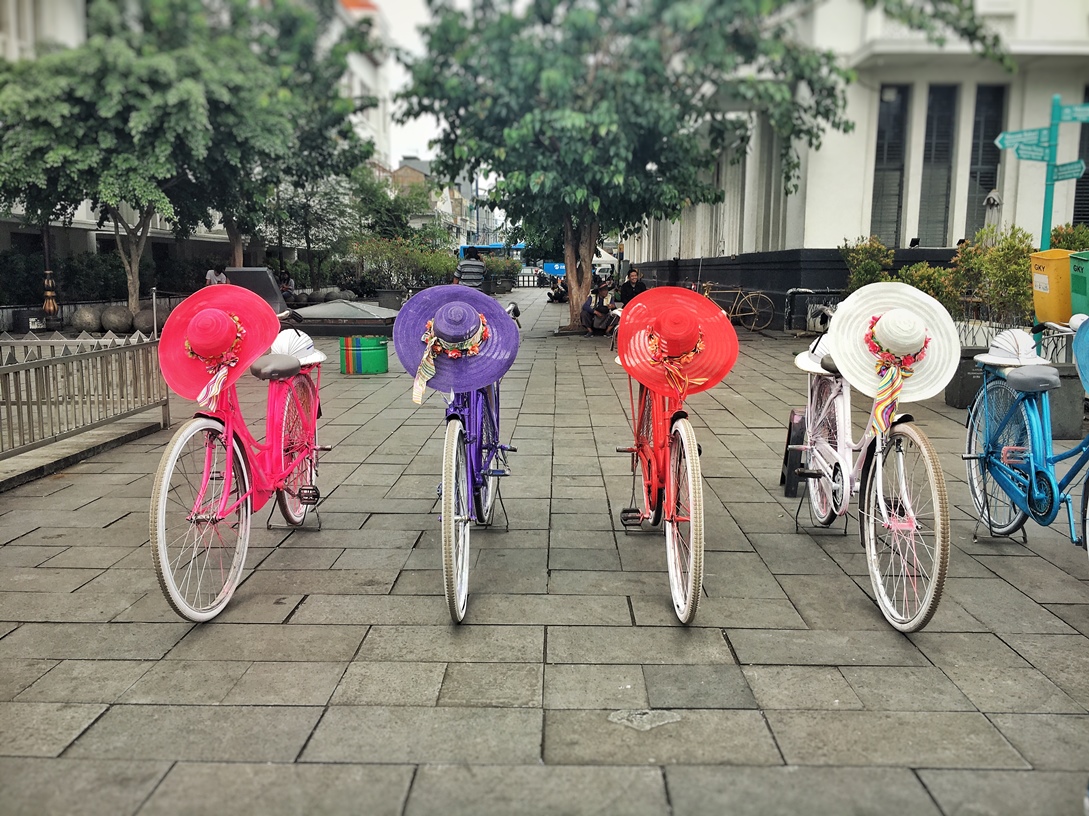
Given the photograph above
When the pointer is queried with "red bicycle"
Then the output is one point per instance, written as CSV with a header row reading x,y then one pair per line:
x,y
673,342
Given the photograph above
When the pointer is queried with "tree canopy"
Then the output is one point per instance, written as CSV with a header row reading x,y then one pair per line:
x,y
597,114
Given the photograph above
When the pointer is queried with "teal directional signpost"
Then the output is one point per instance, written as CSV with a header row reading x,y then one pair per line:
x,y
1042,144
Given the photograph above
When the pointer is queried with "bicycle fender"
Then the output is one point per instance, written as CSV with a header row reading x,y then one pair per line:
x,y
682,414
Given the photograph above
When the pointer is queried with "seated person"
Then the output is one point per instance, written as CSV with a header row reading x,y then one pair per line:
x,y
287,284
632,286
559,294
596,312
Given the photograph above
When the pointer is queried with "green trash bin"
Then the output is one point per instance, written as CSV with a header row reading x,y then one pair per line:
x,y
364,355
1079,283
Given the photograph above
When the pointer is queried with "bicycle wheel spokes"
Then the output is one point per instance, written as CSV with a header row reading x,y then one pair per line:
x,y
456,521
985,443
755,311
684,521
199,555
825,495
904,522
298,440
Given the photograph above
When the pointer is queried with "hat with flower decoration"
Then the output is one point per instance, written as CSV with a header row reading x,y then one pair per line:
x,y
454,338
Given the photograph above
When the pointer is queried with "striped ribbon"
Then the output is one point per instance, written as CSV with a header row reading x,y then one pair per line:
x,y
673,367
888,395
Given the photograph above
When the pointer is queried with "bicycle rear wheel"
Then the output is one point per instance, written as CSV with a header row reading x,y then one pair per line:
x,y
684,521
755,311
492,457
908,552
983,442
653,496
198,555
456,522
299,438
825,494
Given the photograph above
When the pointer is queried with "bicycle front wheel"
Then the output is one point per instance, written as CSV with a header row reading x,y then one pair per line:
x,y
492,457
198,554
653,495
825,494
299,438
684,521
984,440
755,311
455,520
904,521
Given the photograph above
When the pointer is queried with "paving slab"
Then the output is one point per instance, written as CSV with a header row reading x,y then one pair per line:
x,y
335,681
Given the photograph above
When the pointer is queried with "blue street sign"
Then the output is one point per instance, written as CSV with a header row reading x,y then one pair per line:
x,y
1012,138
1068,171
1074,113
1030,152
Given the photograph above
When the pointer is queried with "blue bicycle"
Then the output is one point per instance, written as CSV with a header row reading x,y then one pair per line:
x,y
1009,454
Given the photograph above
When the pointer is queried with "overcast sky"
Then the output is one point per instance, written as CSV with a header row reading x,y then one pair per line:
x,y
403,17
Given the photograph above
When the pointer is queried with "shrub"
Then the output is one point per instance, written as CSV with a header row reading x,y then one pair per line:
x,y
995,269
868,261
1074,237
936,281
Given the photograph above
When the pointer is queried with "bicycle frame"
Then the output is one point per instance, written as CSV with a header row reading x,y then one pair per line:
x,y
849,456
1020,478
267,475
655,452
469,407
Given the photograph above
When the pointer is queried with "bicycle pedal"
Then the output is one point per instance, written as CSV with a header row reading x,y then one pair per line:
x,y
1014,455
323,447
802,473
631,517
497,472
309,495
509,448
625,450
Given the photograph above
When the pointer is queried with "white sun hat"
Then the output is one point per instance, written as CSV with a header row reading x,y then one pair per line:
x,y
1012,347
298,344
905,322
810,359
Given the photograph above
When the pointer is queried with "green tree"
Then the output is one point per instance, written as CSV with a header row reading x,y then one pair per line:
x,y
596,114
384,209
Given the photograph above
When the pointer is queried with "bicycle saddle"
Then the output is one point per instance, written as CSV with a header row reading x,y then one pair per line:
x,y
829,365
275,367
1033,378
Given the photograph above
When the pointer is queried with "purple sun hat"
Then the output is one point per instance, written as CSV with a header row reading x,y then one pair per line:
x,y
466,352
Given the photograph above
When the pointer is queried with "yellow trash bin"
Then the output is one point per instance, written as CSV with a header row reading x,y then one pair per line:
x,y
1051,285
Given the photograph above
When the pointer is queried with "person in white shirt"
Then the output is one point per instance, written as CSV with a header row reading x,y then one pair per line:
x,y
211,278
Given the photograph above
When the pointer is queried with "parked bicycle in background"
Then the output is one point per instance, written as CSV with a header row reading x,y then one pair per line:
x,y
460,342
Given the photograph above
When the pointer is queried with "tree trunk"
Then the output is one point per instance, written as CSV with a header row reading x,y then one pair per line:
x,y
579,245
131,249
235,237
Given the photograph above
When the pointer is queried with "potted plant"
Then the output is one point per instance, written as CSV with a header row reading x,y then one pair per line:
x,y
868,261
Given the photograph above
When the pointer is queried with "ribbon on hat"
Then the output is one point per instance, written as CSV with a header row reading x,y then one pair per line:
x,y
892,370
434,347
218,365
673,367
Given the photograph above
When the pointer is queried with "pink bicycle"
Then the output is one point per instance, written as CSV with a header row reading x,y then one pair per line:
x,y
214,474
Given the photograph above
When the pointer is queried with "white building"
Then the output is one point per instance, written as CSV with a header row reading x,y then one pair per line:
x,y
26,24
921,159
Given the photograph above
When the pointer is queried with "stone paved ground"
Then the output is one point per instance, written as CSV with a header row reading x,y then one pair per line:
x,y
335,683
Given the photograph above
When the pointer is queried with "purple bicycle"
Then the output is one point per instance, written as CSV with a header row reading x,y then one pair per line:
x,y
460,342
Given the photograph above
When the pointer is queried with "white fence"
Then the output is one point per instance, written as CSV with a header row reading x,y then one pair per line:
x,y
55,387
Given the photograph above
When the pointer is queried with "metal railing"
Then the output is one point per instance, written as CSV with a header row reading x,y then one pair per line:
x,y
56,388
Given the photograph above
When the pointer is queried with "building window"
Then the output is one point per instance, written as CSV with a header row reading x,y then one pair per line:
x,y
1081,191
888,171
941,116
983,167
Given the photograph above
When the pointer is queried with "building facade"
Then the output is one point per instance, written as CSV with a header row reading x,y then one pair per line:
x,y
921,162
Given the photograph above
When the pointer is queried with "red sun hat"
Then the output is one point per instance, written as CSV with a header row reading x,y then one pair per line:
x,y
675,341
217,332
